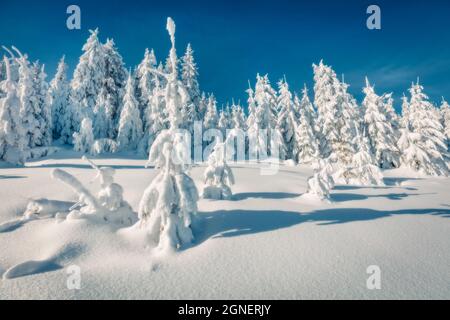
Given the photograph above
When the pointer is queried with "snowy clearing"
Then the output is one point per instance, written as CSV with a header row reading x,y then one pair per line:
x,y
267,242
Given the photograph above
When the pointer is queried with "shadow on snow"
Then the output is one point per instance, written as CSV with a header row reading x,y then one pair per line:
x,y
233,223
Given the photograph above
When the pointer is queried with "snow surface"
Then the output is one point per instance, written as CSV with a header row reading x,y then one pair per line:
x,y
266,243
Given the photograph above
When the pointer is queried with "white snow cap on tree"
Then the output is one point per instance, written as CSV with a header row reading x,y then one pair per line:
x,y
84,139
218,176
130,124
169,204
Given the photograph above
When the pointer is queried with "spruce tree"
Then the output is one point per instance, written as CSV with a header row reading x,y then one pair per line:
x,y
145,83
130,124
88,78
422,142
61,108
114,83
189,75
286,121
13,135
169,204
381,134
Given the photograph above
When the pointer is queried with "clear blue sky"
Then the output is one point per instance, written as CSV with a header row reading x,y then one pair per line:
x,y
233,40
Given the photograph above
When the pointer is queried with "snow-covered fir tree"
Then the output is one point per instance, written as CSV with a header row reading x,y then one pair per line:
x,y
211,119
84,139
42,97
189,74
364,169
404,119
2,76
34,108
145,83
223,124
306,105
114,83
102,122
445,119
202,106
337,111
59,100
13,139
235,139
130,124
306,147
169,204
263,132
238,120
155,117
422,142
321,183
286,121
218,176
382,136
88,77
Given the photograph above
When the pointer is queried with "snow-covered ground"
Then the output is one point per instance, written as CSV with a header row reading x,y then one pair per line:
x,y
265,243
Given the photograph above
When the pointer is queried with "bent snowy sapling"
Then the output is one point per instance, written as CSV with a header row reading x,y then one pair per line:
x,y
109,204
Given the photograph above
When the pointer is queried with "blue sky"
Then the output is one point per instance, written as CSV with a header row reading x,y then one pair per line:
x,y
233,40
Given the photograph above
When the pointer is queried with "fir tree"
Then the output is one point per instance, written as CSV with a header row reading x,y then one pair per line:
x,y
84,139
130,124
13,140
218,176
145,83
445,116
169,204
286,121
422,142
88,77
59,100
114,83
382,137
211,119
337,111
189,74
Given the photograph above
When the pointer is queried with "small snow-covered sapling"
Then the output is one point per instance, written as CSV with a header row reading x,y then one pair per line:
x,y
218,175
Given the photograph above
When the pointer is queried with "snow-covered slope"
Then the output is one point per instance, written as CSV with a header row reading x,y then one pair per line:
x,y
267,242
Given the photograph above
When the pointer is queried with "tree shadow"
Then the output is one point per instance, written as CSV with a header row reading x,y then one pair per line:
x,y
342,197
263,195
11,177
85,166
395,182
234,223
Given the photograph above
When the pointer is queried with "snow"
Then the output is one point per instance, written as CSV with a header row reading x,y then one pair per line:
x,y
265,243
